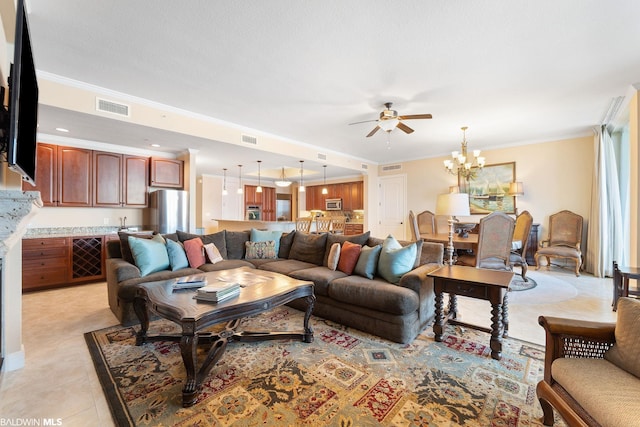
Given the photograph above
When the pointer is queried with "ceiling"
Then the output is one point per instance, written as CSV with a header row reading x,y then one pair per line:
x,y
514,72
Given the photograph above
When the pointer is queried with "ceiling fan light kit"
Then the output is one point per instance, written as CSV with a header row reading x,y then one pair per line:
x,y
390,120
460,164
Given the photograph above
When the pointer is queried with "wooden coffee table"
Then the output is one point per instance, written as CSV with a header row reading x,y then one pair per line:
x,y
261,291
491,285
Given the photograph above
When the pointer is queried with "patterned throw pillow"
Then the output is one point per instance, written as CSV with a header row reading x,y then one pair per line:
x,y
261,250
212,253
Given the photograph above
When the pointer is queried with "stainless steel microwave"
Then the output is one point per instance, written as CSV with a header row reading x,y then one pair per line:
x,y
333,204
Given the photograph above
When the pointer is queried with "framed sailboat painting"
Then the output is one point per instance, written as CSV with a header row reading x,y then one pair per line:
x,y
488,188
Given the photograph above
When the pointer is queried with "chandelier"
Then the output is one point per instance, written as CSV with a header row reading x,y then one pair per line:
x,y
283,181
460,163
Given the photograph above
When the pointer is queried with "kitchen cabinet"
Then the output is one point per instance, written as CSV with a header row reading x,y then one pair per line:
x,y
51,262
75,170
167,173
351,194
46,174
266,200
119,180
314,198
351,228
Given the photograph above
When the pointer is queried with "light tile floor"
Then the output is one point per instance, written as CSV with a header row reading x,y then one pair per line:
x,y
59,380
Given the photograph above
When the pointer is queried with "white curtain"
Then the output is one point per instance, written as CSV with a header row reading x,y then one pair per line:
x,y
604,239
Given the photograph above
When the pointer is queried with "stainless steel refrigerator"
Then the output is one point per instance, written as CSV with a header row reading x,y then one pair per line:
x,y
169,211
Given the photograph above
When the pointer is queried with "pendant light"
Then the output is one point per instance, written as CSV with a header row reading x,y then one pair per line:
x,y
259,188
324,189
224,182
301,188
283,181
240,179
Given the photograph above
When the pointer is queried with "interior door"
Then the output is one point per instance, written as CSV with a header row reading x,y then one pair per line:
x,y
393,205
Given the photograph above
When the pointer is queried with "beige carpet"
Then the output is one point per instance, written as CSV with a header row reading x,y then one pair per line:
x,y
547,289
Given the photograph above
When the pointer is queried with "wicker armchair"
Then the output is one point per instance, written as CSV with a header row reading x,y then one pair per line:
x,y
575,339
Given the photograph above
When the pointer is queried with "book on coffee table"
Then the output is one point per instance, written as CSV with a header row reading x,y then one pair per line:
x,y
195,281
218,292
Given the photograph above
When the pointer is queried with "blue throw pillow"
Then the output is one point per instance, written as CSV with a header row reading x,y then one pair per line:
x,y
366,265
265,236
177,256
395,261
150,255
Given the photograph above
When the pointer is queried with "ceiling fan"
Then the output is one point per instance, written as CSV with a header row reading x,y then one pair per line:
x,y
389,120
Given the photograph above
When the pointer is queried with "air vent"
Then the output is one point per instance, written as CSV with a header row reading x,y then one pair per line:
x,y
322,156
364,166
248,139
391,168
112,107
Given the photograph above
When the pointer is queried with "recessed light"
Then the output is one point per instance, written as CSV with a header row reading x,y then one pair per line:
x,y
62,130
155,145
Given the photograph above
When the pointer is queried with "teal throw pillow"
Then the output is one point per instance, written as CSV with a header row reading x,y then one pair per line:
x,y
395,261
265,236
150,255
366,265
177,256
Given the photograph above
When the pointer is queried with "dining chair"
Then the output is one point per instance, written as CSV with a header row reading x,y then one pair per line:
x,y
338,224
521,233
565,236
415,229
303,225
495,238
323,224
426,222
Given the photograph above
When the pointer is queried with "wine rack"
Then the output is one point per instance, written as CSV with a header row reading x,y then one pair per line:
x,y
87,257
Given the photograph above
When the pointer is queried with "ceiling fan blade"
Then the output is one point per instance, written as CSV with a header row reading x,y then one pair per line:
x,y
404,128
364,121
415,116
375,129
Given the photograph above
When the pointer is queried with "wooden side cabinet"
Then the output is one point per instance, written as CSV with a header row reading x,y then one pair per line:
x,y
45,263
167,173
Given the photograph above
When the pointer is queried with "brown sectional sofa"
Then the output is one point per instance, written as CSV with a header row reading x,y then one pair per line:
x,y
398,312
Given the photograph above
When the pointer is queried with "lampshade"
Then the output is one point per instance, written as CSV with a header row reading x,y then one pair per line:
x,y
516,189
282,182
388,125
453,204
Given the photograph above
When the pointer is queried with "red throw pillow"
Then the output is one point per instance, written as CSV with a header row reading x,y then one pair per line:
x,y
349,254
195,252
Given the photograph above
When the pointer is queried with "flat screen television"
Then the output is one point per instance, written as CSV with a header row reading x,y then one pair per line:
x,y
23,103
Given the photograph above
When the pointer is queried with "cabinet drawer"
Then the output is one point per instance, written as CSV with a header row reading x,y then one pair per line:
x,y
50,242
465,290
42,276
40,264
45,252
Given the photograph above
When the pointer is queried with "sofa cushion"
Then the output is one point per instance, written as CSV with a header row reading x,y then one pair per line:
x,y
376,241
349,253
625,353
218,239
125,249
334,257
375,294
607,393
177,256
261,250
226,264
265,236
395,260
150,255
286,266
195,252
213,254
285,244
320,276
367,264
360,239
235,242
309,248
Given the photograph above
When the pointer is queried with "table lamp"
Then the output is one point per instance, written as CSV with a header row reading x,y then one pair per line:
x,y
515,189
452,204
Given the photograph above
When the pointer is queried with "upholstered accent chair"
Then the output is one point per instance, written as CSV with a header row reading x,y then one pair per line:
x,y
303,225
494,243
427,222
521,232
565,236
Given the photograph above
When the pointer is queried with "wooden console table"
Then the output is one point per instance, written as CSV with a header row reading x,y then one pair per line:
x,y
490,285
621,276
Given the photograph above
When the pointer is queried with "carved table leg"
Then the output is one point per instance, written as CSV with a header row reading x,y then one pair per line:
x,y
505,315
496,331
453,306
438,324
308,331
188,349
140,307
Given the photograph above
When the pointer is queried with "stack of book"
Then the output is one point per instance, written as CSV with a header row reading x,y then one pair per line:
x,y
195,281
218,292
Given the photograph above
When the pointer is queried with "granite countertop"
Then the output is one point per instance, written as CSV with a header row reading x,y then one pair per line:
x,y
38,233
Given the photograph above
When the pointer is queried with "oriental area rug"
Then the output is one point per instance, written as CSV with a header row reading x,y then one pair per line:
x,y
344,378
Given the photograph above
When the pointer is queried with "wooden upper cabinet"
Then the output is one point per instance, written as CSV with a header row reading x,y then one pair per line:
x,y
120,180
357,195
74,176
351,194
268,203
46,174
167,173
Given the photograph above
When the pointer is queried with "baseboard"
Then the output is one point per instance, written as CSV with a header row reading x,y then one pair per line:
x,y
14,361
